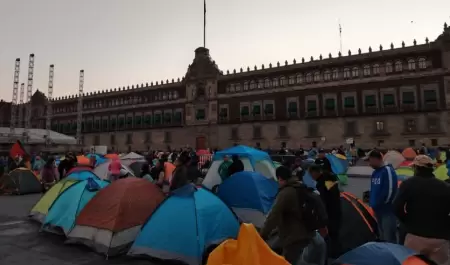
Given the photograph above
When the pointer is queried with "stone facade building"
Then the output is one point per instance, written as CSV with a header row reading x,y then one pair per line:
x,y
388,97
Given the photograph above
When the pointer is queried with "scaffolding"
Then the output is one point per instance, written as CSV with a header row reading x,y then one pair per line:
x,y
29,94
80,108
21,106
49,111
12,128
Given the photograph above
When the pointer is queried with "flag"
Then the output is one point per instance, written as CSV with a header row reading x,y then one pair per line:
x,y
17,150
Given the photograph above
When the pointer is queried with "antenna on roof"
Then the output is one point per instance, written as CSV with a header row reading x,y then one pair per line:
x,y
340,36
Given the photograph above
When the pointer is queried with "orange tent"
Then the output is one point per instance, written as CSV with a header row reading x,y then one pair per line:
x,y
112,156
82,160
409,153
249,248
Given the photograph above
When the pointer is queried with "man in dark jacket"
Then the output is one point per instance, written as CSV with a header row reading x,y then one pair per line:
x,y
286,215
323,161
180,174
328,187
423,207
236,166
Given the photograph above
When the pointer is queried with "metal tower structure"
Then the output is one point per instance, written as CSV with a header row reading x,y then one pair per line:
x,y
21,106
12,125
29,94
80,107
49,112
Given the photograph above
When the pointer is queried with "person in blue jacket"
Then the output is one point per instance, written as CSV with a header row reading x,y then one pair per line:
x,y
383,190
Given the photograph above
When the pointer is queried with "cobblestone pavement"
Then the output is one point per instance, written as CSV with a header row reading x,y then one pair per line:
x,y
21,243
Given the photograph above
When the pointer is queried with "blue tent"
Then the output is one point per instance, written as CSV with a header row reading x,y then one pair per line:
x,y
98,159
184,225
82,174
339,166
374,253
250,195
243,151
68,205
309,181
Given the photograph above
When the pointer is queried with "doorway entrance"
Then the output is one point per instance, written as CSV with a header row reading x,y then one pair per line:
x,y
200,143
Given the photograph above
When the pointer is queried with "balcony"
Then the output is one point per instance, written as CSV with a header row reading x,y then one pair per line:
x,y
330,112
380,133
256,117
407,107
350,111
269,116
430,106
390,109
311,114
293,115
371,110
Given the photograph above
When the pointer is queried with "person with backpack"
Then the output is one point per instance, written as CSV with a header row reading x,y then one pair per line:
x,y
297,213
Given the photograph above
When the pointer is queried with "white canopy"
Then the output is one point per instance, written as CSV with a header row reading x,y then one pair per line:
x,y
132,156
36,136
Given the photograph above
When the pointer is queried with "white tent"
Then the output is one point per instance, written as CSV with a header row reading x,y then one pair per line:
x,y
36,136
132,156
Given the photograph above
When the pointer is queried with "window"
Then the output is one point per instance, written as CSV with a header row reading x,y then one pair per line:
x,y
408,97
429,96
327,75
256,132
238,87
366,70
412,142
410,126
316,76
177,116
231,90
389,67
268,109
282,81
200,114
355,72
311,105
292,108
157,118
256,110
308,77
266,83
245,86
275,82
335,74
282,131
223,114
422,63
245,111
164,96
299,78
252,85
167,117
148,119
349,102
291,80
330,104
434,142
411,64
398,66
370,101
234,133
260,84
433,124
346,73
388,100
175,94
379,126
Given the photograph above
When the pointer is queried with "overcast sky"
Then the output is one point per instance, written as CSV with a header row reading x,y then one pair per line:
x,y
125,42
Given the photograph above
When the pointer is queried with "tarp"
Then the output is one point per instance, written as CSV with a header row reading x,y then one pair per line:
x,y
393,158
111,221
134,166
249,248
405,171
250,195
103,172
132,156
441,172
83,161
376,253
339,166
40,210
184,225
20,181
63,212
409,153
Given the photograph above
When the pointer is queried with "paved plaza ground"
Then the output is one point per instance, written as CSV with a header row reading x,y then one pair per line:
x,y
21,243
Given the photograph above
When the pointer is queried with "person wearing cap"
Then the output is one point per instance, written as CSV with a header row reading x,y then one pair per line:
x,y
323,161
423,207
383,190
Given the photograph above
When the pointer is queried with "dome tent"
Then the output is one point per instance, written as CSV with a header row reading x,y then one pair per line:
x,y
253,160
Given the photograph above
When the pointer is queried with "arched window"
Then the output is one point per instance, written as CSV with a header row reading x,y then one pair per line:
x,y
164,96
238,87
316,76
335,74
389,67
309,77
260,84
366,70
232,88
376,69
346,72
411,64
291,80
275,82
252,85
355,72
266,83
170,95
282,81
398,66
299,78
245,86
327,75
422,63
175,94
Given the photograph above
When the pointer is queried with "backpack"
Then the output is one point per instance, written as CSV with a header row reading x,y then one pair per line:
x,y
313,209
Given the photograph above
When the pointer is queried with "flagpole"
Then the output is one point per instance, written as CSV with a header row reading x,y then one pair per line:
x,y
204,23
